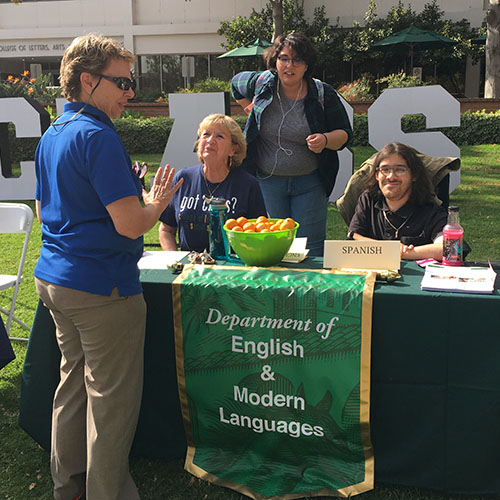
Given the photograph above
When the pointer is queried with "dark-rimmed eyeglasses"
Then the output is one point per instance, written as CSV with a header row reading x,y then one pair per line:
x,y
296,61
120,81
398,171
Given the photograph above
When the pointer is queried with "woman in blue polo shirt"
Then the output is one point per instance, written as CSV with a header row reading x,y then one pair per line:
x,y
88,201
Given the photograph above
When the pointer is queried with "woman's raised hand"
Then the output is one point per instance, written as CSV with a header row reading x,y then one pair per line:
x,y
162,191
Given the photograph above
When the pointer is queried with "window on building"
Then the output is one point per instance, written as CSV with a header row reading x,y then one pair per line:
x,y
162,74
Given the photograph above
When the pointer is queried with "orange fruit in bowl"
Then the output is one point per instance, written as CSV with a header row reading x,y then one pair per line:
x,y
230,223
262,247
287,224
241,221
249,226
260,219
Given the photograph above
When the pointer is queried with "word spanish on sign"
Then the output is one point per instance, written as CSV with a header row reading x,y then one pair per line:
x,y
346,254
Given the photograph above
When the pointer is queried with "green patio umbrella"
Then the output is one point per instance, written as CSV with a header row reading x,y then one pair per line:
x,y
254,48
479,40
411,39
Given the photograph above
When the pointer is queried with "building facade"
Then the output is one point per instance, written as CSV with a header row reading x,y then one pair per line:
x,y
161,33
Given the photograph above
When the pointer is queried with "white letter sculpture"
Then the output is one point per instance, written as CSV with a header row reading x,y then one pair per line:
x,y
439,107
30,120
345,160
188,110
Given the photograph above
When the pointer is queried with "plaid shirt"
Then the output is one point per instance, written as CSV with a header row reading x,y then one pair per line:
x,y
321,116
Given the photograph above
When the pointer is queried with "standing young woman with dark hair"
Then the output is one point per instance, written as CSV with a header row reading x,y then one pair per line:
x,y
295,126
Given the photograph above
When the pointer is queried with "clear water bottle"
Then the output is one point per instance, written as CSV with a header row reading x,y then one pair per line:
x,y
453,234
216,234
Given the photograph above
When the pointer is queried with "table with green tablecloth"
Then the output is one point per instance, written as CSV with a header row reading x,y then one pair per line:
x,y
435,383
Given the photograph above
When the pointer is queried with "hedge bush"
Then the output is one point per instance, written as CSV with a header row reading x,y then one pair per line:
x,y
476,127
144,136
140,136
149,135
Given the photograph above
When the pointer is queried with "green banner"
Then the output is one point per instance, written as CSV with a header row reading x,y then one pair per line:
x,y
274,379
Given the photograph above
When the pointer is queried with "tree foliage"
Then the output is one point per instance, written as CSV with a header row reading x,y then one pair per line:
x,y
362,37
326,38
345,52
39,88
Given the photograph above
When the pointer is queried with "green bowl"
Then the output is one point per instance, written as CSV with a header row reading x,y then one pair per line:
x,y
261,249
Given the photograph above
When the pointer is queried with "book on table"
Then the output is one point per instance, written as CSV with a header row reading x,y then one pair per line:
x,y
458,279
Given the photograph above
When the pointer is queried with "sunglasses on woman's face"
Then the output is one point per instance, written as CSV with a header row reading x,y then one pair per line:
x,y
120,81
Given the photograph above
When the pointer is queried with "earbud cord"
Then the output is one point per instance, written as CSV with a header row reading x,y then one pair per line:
x,y
81,109
288,152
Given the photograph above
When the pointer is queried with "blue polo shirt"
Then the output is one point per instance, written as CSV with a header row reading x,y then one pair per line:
x,y
82,166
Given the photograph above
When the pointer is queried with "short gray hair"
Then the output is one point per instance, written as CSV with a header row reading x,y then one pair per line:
x,y
90,54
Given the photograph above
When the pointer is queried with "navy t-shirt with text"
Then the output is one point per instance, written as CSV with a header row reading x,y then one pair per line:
x,y
189,210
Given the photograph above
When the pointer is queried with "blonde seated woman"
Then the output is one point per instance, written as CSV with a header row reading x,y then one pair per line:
x,y
221,148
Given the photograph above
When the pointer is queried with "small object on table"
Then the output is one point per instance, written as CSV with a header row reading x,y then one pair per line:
x,y
388,276
201,258
176,267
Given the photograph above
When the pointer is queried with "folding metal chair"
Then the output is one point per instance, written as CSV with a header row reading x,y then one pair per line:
x,y
15,218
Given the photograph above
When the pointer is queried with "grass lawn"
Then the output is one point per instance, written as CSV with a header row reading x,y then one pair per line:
x,y
24,466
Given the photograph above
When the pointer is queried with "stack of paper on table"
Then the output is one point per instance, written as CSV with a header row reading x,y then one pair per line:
x,y
160,259
458,279
297,252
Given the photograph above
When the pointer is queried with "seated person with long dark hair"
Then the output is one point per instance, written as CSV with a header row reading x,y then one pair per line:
x,y
221,148
399,204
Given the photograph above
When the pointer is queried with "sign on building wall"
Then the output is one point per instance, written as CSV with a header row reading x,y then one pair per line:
x,y
34,48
